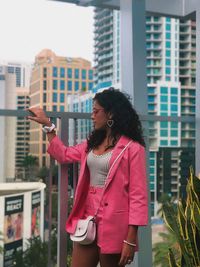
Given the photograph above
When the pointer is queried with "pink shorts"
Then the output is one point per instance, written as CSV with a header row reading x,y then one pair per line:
x,y
92,204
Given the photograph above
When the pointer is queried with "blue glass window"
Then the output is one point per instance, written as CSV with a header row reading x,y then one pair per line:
x,y
164,133
62,85
151,90
163,124
151,98
62,108
174,124
55,97
174,99
84,87
174,143
69,73
168,19
76,73
168,35
163,98
168,53
168,71
174,107
54,108
83,74
150,107
55,84
90,86
164,107
62,98
76,86
168,79
164,90
168,44
90,75
168,62
174,91
62,72
168,27
69,85
55,72
174,133
163,142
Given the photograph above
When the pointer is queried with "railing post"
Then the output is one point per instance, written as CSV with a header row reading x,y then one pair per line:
x,y
134,82
62,200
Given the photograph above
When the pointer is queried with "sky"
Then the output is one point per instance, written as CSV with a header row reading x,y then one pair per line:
x,y
28,26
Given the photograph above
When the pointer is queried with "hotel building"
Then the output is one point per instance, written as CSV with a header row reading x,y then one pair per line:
x,y
53,79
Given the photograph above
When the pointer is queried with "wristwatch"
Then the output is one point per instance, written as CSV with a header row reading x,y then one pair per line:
x,y
48,129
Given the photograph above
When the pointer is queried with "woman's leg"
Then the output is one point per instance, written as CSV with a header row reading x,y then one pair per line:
x,y
109,260
85,255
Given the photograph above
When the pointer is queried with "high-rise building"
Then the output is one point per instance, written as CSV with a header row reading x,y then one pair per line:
x,y
106,48
22,133
53,79
22,71
7,125
170,49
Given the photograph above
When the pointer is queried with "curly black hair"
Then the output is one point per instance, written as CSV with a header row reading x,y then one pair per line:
x,y
126,119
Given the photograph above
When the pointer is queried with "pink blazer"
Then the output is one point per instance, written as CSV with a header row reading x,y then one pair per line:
x,y
125,197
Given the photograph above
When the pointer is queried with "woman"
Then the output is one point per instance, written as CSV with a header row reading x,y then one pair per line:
x,y
123,206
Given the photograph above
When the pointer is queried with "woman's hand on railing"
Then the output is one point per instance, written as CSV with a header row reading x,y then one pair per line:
x,y
39,116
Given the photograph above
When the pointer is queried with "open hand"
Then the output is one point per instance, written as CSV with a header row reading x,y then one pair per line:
x,y
39,116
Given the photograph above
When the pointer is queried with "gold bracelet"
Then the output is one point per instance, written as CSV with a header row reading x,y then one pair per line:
x,y
130,244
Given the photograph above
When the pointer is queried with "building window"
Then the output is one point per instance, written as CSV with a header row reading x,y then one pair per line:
x,y
90,74
174,108
168,53
69,85
83,86
62,108
168,62
164,90
168,27
44,72
83,74
174,99
44,97
76,86
62,85
174,91
62,72
168,35
45,85
174,124
168,44
62,98
55,72
164,124
174,133
163,98
151,98
76,73
69,73
54,97
54,108
168,71
164,143
90,86
164,133
174,142
164,107
55,84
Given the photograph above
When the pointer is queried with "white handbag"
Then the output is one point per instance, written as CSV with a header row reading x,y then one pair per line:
x,y
85,232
